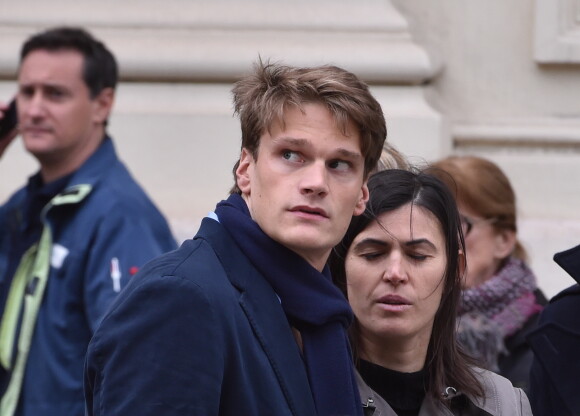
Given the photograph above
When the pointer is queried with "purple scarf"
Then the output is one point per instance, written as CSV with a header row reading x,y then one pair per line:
x,y
496,309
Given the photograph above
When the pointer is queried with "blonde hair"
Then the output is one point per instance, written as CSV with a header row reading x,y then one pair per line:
x,y
391,158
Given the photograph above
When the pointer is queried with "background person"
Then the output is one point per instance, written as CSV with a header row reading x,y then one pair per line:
x,y
392,158
72,237
554,387
244,319
400,264
501,300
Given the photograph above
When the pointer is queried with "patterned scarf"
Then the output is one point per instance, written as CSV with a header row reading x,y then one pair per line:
x,y
497,309
312,304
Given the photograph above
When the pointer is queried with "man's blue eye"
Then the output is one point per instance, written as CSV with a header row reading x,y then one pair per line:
x,y
290,155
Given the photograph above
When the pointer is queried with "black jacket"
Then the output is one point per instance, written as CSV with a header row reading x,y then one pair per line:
x,y
516,364
555,374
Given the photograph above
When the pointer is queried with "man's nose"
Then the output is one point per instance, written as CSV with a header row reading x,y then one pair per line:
x,y
315,179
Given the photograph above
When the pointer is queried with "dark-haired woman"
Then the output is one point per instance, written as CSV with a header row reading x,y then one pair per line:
x,y
400,265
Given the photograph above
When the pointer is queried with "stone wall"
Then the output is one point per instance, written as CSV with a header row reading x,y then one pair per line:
x,y
494,78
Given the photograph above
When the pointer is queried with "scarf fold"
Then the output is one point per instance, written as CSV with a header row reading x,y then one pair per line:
x,y
312,304
497,309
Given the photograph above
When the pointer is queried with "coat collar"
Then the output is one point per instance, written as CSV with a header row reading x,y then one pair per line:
x,y
569,260
264,312
91,171
375,405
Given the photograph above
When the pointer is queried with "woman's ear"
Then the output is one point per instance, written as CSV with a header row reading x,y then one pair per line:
x,y
462,262
462,266
505,243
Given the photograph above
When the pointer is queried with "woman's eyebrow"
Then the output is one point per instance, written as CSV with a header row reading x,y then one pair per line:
x,y
371,241
420,241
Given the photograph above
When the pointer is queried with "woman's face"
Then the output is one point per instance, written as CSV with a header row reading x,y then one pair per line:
x,y
394,272
483,246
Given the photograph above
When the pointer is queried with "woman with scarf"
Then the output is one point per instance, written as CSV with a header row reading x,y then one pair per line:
x,y
501,300
400,264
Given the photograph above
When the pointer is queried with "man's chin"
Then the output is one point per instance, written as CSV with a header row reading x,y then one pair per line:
x,y
39,151
37,144
312,251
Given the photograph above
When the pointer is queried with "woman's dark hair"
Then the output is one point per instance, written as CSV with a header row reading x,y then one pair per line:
x,y
446,363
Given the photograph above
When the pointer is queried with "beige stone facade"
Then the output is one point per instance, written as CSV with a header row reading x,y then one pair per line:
x,y
498,79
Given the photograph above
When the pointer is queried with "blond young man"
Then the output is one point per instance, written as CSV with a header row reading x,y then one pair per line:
x,y
244,319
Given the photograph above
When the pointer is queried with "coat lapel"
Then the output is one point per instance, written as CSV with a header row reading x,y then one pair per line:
x,y
266,316
569,260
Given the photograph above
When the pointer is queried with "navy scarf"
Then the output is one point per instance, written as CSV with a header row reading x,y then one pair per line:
x,y
312,304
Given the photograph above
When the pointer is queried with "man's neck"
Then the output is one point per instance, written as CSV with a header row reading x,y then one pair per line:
x,y
315,259
53,168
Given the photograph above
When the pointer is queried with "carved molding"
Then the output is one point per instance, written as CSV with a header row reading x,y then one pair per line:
x,y
217,40
532,134
557,31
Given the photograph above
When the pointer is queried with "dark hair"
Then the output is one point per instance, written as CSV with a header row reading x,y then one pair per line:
x,y
262,97
99,67
446,363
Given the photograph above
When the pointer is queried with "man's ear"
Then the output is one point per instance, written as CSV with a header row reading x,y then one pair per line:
x,y
243,172
103,104
505,242
362,202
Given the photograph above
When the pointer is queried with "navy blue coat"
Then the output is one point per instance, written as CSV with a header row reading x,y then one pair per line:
x,y
555,374
115,220
197,332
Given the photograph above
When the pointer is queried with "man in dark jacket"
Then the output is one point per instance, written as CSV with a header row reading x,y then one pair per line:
x,y
555,374
244,319
73,236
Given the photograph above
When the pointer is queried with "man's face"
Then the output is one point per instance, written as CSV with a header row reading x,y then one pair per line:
x,y
58,120
306,183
